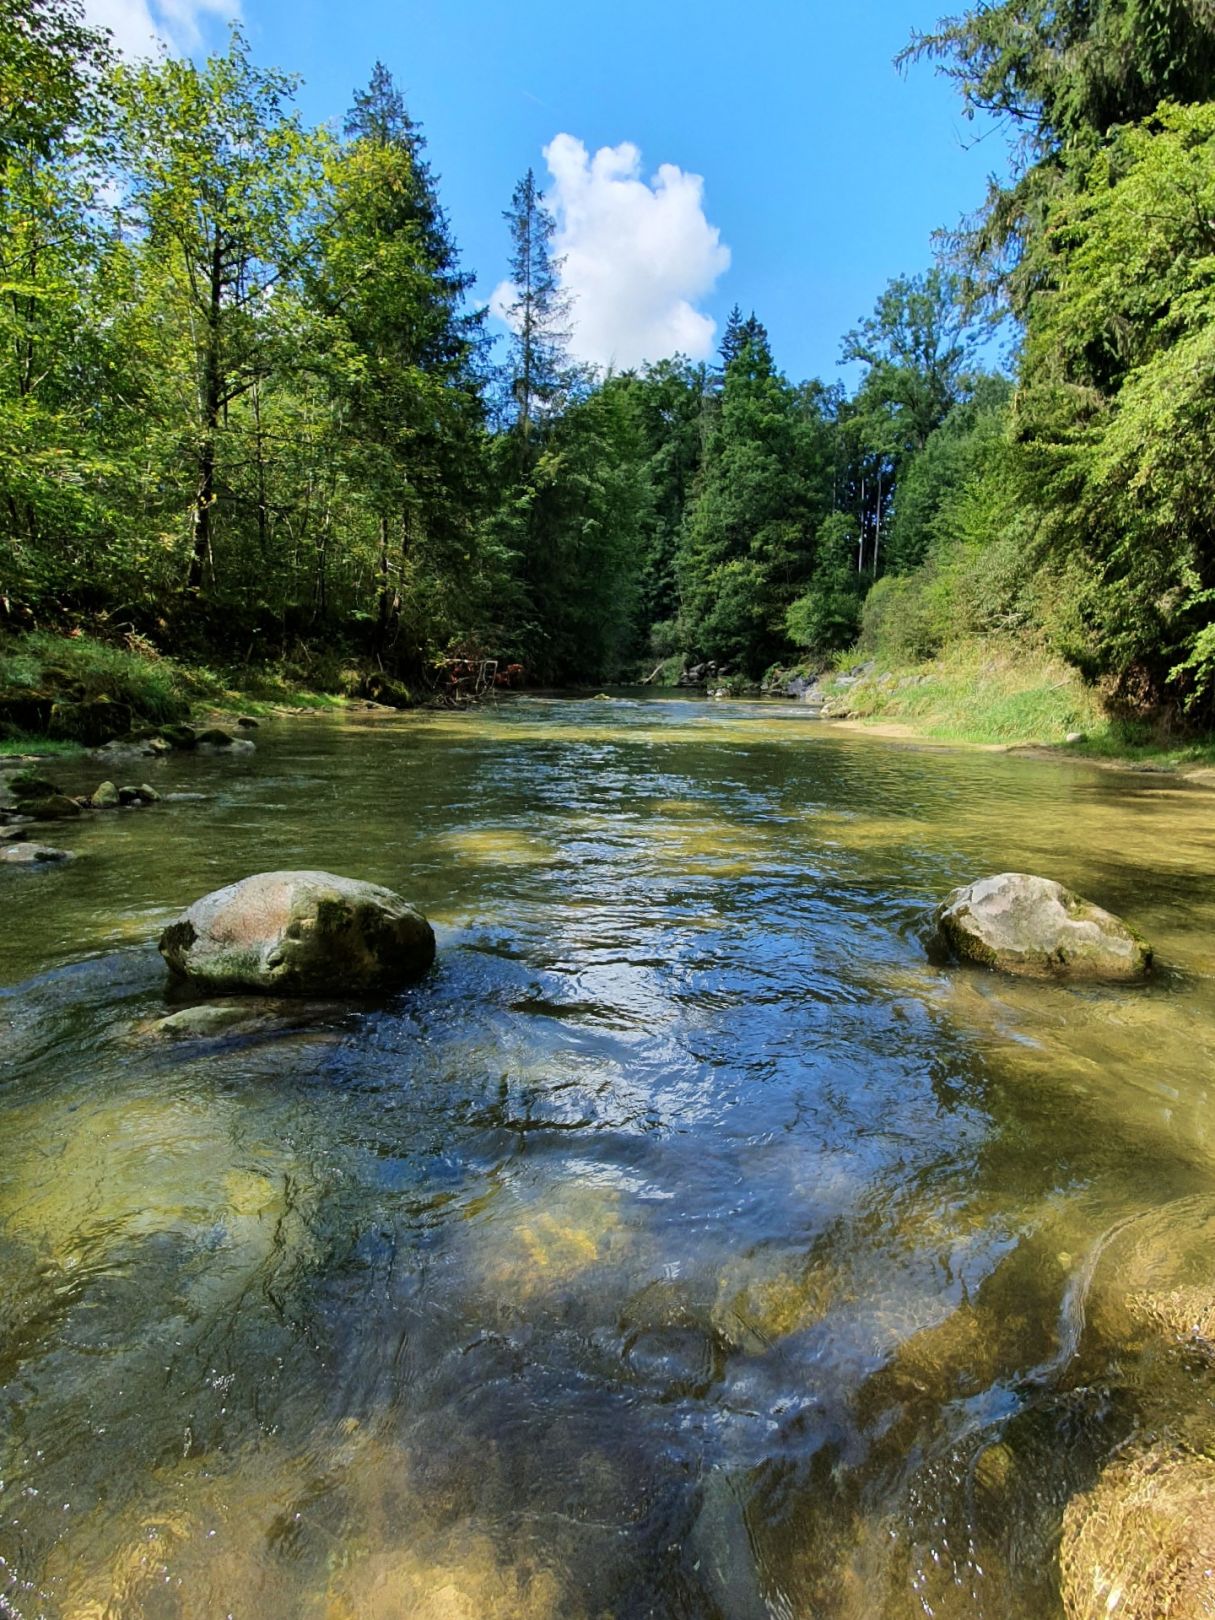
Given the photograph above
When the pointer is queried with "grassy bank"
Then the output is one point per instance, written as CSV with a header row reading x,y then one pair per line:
x,y
1004,694
61,693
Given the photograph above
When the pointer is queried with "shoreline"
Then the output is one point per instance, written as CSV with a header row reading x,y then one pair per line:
x,y
900,731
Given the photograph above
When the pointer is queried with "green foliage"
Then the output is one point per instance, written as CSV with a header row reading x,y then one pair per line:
x,y
1116,415
746,550
576,525
155,688
825,618
968,443
916,348
984,690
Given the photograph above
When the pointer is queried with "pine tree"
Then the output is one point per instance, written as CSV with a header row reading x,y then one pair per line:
x,y
402,352
538,312
747,546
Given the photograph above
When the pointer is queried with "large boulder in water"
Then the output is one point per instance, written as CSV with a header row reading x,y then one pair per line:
x,y
1024,924
1141,1544
300,933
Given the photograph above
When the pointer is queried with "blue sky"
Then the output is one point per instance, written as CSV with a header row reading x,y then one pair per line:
x,y
824,170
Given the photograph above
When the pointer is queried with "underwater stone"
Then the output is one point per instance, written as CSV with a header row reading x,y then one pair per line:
x,y
31,854
1018,923
300,933
1141,1544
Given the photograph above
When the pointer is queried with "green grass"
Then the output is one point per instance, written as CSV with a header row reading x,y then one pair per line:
x,y
1005,693
979,692
20,746
158,690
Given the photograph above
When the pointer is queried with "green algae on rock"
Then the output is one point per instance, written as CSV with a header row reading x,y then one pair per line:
x,y
300,933
1018,923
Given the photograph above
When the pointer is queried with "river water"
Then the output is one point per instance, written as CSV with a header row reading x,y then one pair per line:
x,y
685,1246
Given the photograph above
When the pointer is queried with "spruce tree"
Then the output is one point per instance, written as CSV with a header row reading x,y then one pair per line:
x,y
402,354
538,313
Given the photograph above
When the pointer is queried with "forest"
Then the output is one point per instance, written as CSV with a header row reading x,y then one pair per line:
x,y
249,411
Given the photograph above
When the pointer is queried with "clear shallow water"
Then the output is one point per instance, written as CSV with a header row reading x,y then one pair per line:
x,y
686,1246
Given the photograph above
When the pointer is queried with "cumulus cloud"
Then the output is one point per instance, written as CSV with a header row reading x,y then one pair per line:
x,y
638,255
141,27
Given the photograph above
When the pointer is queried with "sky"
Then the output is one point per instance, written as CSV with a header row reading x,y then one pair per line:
x,y
696,155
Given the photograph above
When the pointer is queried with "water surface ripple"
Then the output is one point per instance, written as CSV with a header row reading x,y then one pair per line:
x,y
685,1246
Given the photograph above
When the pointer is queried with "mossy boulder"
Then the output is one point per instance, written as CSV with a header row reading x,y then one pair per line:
x,y
55,807
183,738
1141,1544
29,785
105,797
27,713
92,722
1018,923
300,933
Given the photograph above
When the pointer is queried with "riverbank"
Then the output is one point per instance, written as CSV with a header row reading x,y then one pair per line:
x,y
1001,695
61,694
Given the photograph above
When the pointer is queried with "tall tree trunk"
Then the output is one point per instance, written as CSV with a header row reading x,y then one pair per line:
x,y
385,612
212,392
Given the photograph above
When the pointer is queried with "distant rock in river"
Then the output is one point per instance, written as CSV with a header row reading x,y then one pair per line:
x,y
300,933
1030,925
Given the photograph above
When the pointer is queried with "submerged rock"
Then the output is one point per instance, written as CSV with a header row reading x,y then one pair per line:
x,y
1153,1281
206,1022
126,749
300,933
1023,924
216,741
26,854
1141,1543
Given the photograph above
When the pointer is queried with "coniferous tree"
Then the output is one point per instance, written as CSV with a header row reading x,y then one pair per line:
x,y
538,311
401,358
747,546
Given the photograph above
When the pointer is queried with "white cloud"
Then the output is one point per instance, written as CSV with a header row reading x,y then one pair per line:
x,y
638,255
141,27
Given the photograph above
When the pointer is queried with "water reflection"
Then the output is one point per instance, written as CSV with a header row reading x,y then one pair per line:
x,y
686,1245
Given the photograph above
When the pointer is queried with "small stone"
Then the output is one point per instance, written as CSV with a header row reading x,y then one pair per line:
x,y
249,723
105,797
1074,737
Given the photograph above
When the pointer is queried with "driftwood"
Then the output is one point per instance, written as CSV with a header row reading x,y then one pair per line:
x,y
656,671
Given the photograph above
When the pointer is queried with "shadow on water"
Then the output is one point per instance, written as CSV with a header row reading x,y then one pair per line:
x,y
686,1245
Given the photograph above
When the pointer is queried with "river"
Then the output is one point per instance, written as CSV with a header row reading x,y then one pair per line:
x,y
685,1246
